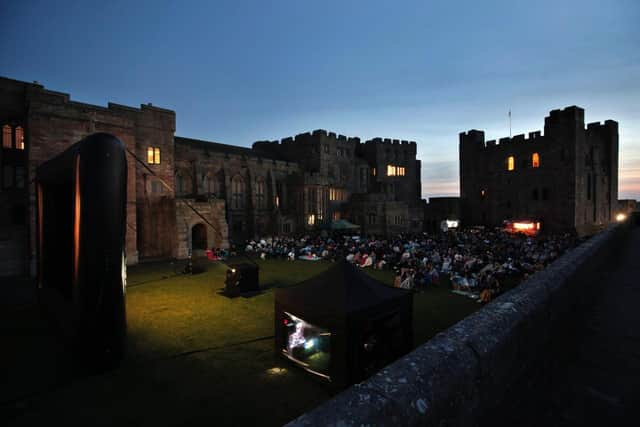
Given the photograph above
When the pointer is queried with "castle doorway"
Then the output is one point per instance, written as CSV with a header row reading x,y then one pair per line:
x,y
198,239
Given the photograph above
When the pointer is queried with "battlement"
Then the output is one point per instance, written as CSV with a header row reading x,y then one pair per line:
x,y
599,125
572,114
476,139
389,141
61,98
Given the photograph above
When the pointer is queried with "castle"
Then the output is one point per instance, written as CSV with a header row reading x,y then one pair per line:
x,y
188,195
567,178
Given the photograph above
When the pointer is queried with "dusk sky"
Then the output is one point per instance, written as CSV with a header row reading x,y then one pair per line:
x,y
236,72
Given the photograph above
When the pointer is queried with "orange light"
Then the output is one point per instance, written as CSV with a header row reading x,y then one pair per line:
x,y
76,224
511,163
523,225
535,160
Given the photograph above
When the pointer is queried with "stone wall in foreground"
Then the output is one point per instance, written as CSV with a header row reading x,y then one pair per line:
x,y
499,357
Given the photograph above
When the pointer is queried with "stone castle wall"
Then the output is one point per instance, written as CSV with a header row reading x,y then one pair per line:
x,y
574,186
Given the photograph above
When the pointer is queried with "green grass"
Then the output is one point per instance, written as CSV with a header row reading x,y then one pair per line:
x,y
196,356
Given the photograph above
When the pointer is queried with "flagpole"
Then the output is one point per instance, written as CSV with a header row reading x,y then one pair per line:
x,y
509,123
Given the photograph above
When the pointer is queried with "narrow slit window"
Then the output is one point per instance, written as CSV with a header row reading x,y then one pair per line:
x,y
535,160
511,163
6,136
19,138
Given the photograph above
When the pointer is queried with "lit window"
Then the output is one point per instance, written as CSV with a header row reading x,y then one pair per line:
x,y
336,194
6,136
19,138
311,219
535,160
511,163
277,201
373,171
393,170
153,155
483,193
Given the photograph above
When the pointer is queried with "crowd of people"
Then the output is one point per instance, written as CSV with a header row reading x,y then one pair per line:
x,y
474,262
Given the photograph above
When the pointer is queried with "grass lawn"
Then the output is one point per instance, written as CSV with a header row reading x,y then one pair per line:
x,y
194,355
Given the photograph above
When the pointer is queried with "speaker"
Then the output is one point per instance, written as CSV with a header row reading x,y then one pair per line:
x,y
242,278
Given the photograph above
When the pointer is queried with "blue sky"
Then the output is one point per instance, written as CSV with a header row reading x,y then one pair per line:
x,y
241,71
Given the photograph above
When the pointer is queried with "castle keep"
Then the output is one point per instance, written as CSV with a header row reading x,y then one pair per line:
x,y
566,178
189,194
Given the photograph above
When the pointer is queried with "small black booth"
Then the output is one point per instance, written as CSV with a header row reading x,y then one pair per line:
x,y
241,278
342,325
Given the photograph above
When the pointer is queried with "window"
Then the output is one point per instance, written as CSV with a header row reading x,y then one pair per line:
x,y
336,216
156,187
373,171
534,194
337,194
393,170
311,219
237,193
483,193
511,163
153,155
179,183
326,148
535,160
213,185
6,137
286,228
19,138
260,193
372,218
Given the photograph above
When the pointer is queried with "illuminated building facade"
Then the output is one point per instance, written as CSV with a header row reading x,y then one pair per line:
x,y
566,178
187,195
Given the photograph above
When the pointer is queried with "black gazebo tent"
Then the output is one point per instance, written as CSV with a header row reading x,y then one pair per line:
x,y
343,325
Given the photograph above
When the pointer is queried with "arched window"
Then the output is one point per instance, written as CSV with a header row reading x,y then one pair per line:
x,y
535,160
260,193
20,138
212,185
237,192
511,163
6,136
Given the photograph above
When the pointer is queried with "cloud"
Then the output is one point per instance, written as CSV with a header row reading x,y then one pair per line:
x,y
440,178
